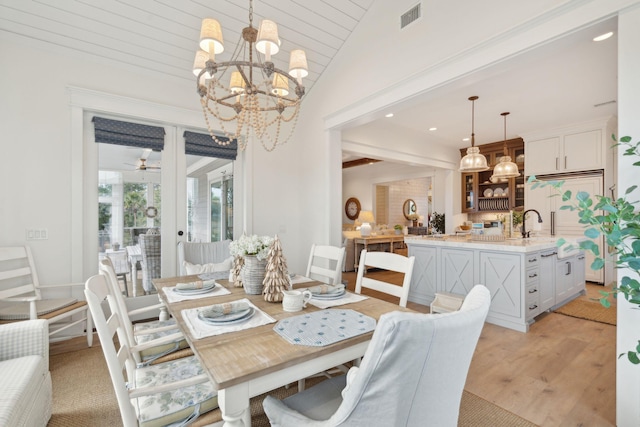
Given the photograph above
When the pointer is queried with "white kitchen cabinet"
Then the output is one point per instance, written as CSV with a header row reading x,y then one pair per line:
x,y
547,279
568,276
564,222
424,284
570,152
501,273
457,271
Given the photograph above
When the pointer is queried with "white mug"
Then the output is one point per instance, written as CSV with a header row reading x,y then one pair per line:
x,y
294,300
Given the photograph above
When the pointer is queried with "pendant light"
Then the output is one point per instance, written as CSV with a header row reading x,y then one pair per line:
x,y
505,168
473,161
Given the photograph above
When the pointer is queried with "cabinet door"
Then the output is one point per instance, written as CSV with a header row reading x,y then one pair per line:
x,y
539,199
578,274
457,271
543,156
424,277
502,274
547,280
469,192
564,271
583,151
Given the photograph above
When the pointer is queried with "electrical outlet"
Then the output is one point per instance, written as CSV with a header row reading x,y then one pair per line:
x,y
37,234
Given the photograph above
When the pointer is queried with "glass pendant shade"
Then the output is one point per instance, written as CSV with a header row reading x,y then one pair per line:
x,y
505,168
473,161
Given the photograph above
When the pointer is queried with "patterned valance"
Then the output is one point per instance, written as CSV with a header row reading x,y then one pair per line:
x,y
201,144
129,134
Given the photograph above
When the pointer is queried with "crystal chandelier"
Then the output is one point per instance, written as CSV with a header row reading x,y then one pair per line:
x,y
506,168
473,161
249,96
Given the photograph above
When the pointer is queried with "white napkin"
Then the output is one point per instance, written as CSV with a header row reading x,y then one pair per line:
x,y
217,310
327,289
295,279
347,298
198,284
176,297
200,329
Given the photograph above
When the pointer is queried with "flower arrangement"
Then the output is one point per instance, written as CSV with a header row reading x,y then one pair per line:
x,y
251,245
413,217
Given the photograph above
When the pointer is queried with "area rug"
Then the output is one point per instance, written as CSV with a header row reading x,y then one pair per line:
x,y
83,396
589,310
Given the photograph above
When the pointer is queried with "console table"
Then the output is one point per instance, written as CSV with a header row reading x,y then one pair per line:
x,y
372,240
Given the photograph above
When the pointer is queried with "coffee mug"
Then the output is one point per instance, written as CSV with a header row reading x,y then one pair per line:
x,y
294,300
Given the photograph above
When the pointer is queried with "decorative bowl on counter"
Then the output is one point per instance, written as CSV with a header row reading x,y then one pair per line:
x,y
465,227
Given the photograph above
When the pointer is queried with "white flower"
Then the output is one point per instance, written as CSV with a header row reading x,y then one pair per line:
x,y
251,245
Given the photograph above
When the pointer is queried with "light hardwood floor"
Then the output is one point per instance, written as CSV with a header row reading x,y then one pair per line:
x,y
560,373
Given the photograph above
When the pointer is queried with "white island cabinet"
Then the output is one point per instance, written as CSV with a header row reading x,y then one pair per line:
x,y
525,276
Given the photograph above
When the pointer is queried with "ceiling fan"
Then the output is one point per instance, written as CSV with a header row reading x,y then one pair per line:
x,y
142,165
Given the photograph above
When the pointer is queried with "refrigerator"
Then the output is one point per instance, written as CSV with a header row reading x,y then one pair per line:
x,y
564,223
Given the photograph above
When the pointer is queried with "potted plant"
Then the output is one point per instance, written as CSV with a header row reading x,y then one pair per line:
x,y
398,228
254,250
437,220
414,218
618,221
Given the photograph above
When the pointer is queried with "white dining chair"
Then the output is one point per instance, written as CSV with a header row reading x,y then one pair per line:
x,y
386,261
178,391
22,297
325,264
152,341
412,374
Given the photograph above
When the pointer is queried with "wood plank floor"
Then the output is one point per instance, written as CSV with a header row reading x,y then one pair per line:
x,y
560,373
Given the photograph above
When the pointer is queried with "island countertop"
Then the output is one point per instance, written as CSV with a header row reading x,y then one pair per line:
x,y
518,245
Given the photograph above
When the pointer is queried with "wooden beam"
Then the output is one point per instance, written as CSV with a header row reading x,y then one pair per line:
x,y
359,162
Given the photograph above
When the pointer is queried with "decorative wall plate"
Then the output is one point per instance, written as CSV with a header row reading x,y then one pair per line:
x,y
488,192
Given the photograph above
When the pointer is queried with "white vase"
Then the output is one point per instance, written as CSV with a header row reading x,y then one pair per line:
x,y
253,272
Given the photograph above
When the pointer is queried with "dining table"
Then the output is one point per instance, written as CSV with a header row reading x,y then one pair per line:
x,y
248,362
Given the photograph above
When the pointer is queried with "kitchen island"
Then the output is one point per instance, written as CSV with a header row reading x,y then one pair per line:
x,y
526,277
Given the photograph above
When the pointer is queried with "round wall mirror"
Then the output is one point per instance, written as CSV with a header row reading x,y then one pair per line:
x,y
409,208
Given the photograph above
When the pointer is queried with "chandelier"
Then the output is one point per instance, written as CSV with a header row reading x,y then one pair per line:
x,y
249,96
506,168
473,161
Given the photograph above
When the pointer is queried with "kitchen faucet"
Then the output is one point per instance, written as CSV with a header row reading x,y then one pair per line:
x,y
525,233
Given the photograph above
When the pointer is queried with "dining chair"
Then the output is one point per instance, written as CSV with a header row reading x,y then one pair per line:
x,y
204,257
23,297
120,264
325,264
386,261
177,391
151,260
154,341
412,374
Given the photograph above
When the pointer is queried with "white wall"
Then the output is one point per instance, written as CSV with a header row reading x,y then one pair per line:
x,y
628,333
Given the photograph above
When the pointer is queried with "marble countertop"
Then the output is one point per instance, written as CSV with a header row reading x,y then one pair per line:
x,y
518,244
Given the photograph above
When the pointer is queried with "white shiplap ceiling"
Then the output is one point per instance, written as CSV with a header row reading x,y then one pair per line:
x,y
556,84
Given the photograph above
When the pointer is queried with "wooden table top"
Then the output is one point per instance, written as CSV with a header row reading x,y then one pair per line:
x,y
237,357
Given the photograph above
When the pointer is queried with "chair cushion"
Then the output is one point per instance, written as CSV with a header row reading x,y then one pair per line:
x,y
141,337
321,401
208,268
26,387
20,311
165,408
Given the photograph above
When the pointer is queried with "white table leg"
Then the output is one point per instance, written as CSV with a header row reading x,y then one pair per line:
x,y
234,404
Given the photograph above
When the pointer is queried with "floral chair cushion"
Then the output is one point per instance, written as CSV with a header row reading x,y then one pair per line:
x,y
152,353
173,406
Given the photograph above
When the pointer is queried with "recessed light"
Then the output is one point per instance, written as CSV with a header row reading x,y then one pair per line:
x,y
389,115
432,129
603,36
465,139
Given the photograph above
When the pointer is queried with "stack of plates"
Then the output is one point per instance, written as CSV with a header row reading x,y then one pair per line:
x,y
330,296
205,289
228,319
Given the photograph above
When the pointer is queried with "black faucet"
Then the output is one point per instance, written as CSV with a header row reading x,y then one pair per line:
x,y
525,233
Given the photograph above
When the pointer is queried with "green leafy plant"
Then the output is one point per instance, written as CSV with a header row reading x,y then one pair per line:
x,y
437,220
619,222
397,227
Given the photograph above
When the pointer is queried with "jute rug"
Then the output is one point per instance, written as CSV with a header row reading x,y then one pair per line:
x,y
589,310
83,396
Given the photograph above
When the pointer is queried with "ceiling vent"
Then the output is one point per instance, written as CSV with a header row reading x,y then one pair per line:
x,y
411,15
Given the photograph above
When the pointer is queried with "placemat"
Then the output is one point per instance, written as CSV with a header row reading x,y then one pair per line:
x,y
200,329
175,297
324,327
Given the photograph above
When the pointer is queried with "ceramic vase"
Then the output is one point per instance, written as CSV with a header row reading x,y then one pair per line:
x,y
253,272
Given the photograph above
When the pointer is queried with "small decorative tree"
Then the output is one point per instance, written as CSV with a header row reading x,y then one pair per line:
x,y
236,271
277,277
